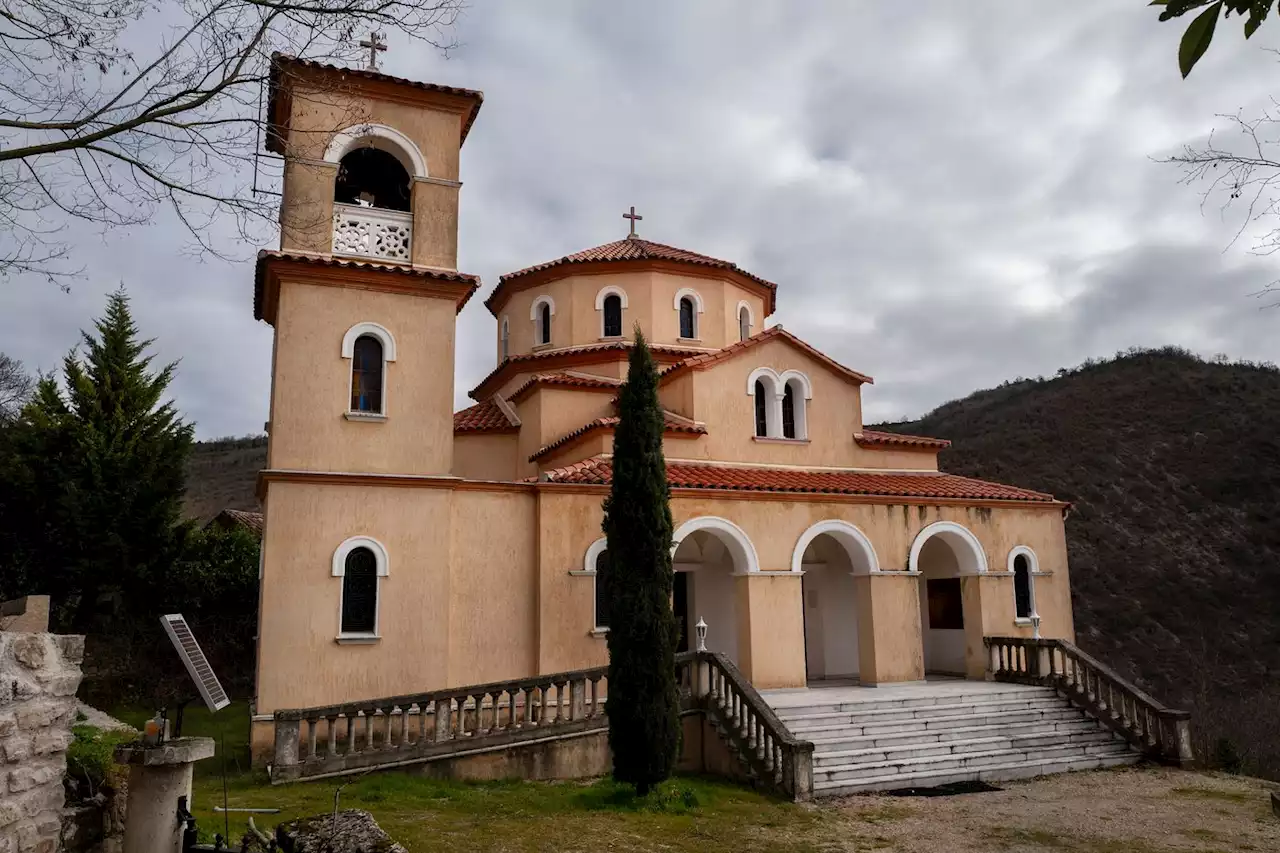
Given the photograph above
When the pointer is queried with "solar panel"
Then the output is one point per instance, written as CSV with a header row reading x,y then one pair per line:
x,y
197,664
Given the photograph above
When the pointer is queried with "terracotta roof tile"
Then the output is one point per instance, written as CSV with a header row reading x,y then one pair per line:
x,y
597,471
552,357
279,61
594,383
250,521
704,360
264,255
631,249
874,438
483,417
672,423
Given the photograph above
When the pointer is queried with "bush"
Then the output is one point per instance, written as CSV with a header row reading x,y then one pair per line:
x,y
91,766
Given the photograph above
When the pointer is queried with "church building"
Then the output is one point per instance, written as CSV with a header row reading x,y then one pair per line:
x,y
408,547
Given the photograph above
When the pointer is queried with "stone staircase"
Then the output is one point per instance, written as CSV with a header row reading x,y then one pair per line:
x,y
941,733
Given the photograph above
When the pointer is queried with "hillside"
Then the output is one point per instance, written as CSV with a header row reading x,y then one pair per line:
x,y
222,474
1172,465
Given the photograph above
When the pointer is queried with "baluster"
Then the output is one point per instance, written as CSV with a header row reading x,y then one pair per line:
x,y
444,720
368,730
542,704
422,722
331,731
312,723
578,699
595,698
495,700
562,710
404,725
513,716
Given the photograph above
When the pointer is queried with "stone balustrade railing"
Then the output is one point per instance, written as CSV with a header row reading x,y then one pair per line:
x,y
371,232
401,730
1161,732
774,756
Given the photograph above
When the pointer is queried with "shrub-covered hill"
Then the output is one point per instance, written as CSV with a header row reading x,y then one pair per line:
x,y
1172,465
223,474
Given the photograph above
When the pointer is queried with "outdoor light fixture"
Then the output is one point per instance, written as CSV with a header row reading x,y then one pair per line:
x,y
1035,624
701,630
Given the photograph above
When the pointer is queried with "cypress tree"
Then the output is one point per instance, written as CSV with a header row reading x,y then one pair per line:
x,y
644,713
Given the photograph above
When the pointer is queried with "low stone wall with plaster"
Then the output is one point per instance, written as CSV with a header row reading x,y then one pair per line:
x,y
39,675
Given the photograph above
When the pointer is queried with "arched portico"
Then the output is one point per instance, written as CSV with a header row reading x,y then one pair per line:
x,y
949,558
708,554
832,555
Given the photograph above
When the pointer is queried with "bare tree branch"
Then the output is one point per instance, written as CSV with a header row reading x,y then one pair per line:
x,y
16,386
111,109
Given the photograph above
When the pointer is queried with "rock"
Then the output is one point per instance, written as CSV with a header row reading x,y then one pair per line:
x,y
356,832
1275,804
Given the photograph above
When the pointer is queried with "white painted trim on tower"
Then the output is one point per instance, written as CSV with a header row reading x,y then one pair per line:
x,y
383,138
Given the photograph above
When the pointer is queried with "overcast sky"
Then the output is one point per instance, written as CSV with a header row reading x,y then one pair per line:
x,y
948,194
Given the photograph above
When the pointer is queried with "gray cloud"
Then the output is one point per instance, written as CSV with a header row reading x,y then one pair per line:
x,y
949,195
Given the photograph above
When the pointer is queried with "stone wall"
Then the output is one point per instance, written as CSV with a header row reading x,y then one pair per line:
x,y
39,675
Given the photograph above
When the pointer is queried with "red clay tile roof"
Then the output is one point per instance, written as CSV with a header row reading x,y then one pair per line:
x,y
554,356
631,249
279,61
680,475
874,438
672,423
593,383
704,360
483,417
229,518
264,255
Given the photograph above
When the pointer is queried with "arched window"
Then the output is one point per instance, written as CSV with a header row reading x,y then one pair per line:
x,y
789,411
744,323
613,316
762,410
506,338
360,592
602,596
688,313
544,323
1023,594
366,375
371,177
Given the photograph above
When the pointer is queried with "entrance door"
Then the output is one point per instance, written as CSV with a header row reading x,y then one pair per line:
x,y
680,604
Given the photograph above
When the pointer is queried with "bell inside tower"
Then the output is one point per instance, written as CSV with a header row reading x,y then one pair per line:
x,y
371,177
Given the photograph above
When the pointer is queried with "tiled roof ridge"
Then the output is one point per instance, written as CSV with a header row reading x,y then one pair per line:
x,y
671,422
485,416
922,485
581,349
566,379
873,438
632,249
700,361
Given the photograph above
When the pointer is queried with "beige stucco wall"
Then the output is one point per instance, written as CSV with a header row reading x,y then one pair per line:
x,y
650,302
306,210
485,456
311,390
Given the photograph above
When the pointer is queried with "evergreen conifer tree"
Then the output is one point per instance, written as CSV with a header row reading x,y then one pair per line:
x,y
644,713
99,468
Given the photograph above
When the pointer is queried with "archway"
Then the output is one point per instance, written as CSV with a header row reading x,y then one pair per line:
x,y
944,553
708,553
831,554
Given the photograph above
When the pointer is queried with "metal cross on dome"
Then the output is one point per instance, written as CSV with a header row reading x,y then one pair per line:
x,y
375,43
634,217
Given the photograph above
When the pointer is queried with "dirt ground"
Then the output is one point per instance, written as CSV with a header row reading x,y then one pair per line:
x,y
1139,810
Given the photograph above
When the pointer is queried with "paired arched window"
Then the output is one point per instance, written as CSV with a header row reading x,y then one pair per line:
x,y
612,316
543,309
367,375
601,591
762,403
780,403
1024,602
360,562
688,318
744,323
506,338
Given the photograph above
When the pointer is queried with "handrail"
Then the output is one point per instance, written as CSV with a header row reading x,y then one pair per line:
x,y
772,753
1162,732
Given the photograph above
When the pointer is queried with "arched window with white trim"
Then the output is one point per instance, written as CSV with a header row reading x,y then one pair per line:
x,y
795,405
1022,564
601,570
744,322
361,563
506,338
370,347
789,411
761,409
612,312
688,318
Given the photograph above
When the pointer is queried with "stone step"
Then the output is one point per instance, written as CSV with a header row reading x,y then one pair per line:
x,y
861,771
852,729
877,705
878,755
815,715
1003,772
842,740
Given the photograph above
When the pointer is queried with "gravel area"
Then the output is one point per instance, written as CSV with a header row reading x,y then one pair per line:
x,y
1134,810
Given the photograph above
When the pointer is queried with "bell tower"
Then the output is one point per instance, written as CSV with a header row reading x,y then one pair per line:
x,y
364,289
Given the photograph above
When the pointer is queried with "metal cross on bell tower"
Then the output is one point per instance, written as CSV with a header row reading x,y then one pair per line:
x,y
374,43
634,217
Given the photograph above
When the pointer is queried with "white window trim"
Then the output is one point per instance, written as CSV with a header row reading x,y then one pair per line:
x,y
734,538
609,290
533,315
966,535
339,570
849,537
1033,569
775,385
692,294
383,138
388,341
751,318
596,548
